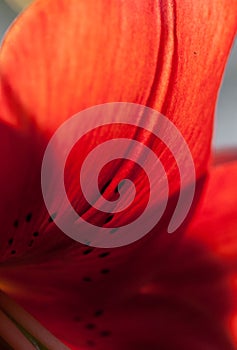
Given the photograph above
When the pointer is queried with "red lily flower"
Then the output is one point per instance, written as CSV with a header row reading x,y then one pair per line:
x,y
164,291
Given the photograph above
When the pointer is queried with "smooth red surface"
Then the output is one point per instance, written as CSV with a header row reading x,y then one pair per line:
x,y
61,57
168,291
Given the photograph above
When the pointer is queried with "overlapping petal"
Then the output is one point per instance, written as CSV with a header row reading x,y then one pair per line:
x,y
80,53
182,298
168,55
22,211
185,292
215,227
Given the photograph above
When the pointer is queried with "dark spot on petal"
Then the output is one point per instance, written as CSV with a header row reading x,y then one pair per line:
x,y
90,326
36,234
13,252
87,279
103,255
98,312
105,271
16,223
105,333
10,241
87,251
28,217
108,219
195,52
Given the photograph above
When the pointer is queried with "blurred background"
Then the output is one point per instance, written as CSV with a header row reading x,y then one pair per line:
x,y
225,134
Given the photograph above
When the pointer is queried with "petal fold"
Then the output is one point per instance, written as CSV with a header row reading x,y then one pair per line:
x,y
187,291
168,55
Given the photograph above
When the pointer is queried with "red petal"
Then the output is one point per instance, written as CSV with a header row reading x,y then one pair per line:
x,y
169,56
200,41
19,173
78,54
38,97
215,227
127,69
101,57
215,223
23,214
181,298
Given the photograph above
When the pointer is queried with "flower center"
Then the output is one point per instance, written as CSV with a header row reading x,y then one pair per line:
x,y
20,331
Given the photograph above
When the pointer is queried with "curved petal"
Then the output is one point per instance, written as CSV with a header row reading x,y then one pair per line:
x,y
104,46
19,173
168,55
23,214
127,69
215,227
201,38
215,222
186,291
99,56
32,99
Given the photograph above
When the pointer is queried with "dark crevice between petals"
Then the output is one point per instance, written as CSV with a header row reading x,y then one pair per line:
x,y
37,344
105,186
4,345
24,328
109,218
52,217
